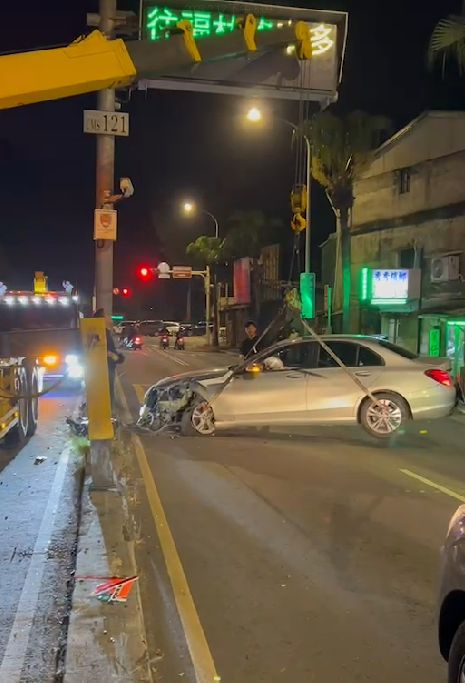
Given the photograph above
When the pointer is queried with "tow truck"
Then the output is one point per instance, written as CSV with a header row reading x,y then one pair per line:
x,y
39,339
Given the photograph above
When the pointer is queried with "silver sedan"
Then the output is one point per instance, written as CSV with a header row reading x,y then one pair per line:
x,y
299,383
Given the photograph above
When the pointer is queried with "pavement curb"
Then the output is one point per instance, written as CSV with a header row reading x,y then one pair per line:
x,y
106,641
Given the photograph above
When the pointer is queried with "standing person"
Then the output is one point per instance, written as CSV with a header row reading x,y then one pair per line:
x,y
113,357
251,344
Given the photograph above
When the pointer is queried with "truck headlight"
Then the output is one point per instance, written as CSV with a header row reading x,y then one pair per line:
x,y
75,369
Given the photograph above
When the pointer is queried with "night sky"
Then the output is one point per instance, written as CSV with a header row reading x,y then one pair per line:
x,y
183,144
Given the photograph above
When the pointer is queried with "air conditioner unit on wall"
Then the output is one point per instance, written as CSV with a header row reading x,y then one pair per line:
x,y
445,268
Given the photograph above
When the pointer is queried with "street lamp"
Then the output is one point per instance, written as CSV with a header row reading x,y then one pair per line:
x,y
189,209
255,115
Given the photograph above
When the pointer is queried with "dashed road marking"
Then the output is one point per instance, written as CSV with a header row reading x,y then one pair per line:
x,y
432,484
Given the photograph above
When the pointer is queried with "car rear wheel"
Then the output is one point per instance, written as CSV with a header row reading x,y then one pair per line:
x,y
457,657
198,420
384,418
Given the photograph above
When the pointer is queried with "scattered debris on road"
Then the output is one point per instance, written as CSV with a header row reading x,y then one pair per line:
x,y
40,459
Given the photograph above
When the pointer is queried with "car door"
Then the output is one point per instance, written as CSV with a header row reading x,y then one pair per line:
x,y
333,396
271,396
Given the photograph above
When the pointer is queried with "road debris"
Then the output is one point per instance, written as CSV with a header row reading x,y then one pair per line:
x,y
40,459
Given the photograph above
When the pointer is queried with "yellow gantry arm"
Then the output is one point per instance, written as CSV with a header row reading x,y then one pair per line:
x,y
89,64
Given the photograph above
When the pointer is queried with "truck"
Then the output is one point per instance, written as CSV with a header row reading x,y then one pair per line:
x,y
39,340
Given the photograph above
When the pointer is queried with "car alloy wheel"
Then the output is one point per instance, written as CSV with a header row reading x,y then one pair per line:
x,y
202,418
385,417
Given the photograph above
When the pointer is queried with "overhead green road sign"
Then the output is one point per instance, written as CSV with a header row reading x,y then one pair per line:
x,y
161,20
274,73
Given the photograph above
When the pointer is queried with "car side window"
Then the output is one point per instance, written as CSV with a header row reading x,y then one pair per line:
x,y
368,358
301,355
346,351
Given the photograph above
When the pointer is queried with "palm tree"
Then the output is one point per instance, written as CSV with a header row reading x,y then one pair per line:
x,y
448,39
341,147
208,251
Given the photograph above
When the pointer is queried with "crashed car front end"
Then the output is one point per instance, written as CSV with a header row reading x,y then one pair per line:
x,y
167,400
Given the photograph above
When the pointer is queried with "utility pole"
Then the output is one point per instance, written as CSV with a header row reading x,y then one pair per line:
x,y
309,199
105,176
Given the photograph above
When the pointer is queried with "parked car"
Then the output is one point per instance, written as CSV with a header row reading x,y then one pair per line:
x,y
150,328
200,328
451,629
171,326
297,382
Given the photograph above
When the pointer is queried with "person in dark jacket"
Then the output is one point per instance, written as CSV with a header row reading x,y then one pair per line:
x,y
251,345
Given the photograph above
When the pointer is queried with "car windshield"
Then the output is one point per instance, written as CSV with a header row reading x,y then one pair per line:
x,y
400,350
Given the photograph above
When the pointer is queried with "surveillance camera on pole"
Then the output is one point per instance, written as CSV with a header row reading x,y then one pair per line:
x,y
126,187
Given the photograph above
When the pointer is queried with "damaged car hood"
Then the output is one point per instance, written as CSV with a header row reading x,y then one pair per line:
x,y
205,377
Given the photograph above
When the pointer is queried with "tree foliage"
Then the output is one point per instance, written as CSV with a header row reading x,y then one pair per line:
x,y
448,40
246,233
206,250
341,148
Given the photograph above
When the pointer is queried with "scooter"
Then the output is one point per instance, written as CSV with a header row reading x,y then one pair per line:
x,y
164,342
135,343
180,344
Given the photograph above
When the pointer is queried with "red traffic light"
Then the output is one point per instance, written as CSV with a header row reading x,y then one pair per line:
x,y
126,291
145,273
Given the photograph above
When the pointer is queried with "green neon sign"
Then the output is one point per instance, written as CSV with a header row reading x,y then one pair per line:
x,y
160,21
364,284
388,302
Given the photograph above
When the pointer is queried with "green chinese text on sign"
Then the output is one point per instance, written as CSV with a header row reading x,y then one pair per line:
x,y
159,21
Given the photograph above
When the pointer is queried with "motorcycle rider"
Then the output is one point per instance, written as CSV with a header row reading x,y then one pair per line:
x,y
131,334
164,334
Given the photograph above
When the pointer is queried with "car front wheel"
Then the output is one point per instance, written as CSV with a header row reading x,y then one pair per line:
x,y
384,418
198,420
457,657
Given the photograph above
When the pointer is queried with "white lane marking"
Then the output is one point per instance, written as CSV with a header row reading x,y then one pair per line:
x,y
164,354
15,653
433,485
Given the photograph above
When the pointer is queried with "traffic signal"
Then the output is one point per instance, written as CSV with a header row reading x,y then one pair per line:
x,y
145,273
126,292
307,295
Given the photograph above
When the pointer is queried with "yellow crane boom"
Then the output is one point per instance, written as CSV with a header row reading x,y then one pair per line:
x,y
94,62
87,65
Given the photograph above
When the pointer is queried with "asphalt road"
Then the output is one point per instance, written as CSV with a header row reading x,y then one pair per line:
x,y
39,488
310,555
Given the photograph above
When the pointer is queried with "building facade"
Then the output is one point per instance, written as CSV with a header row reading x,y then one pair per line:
x,y
408,239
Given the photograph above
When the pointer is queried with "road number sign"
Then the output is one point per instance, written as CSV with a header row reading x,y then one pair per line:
x,y
106,122
105,224
182,272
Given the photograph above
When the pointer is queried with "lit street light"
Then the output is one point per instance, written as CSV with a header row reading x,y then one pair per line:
x,y
255,115
189,209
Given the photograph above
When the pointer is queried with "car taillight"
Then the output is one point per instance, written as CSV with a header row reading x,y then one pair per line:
x,y
441,376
